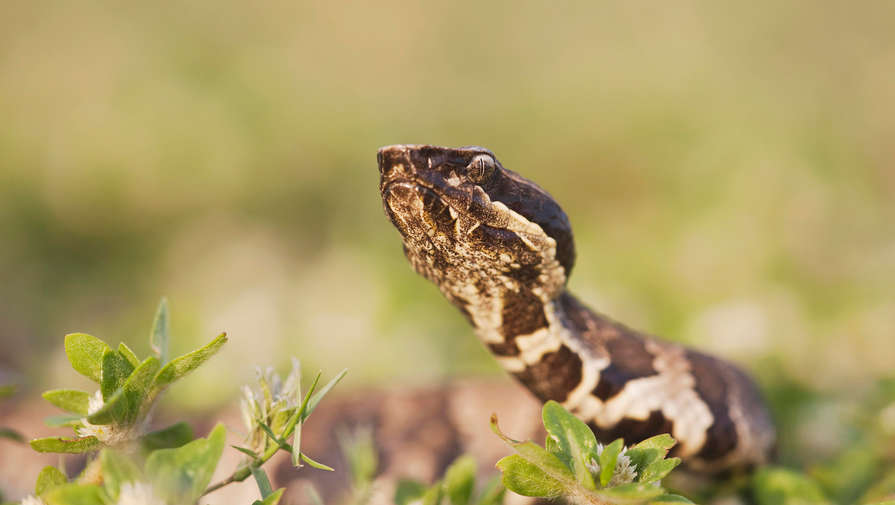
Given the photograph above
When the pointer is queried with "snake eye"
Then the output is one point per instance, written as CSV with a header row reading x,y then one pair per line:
x,y
481,168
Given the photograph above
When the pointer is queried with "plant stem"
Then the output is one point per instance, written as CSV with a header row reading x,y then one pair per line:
x,y
243,472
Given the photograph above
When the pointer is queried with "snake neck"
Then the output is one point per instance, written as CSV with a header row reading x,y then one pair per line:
x,y
543,342
619,379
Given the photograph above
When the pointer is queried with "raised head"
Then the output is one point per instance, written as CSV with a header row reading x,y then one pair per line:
x,y
472,226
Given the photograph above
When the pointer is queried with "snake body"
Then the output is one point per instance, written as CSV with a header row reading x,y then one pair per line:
x,y
500,249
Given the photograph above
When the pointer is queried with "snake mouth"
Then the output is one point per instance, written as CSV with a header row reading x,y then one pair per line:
x,y
423,179
413,207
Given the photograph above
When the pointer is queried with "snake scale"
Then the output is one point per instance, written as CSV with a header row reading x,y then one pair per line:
x,y
500,249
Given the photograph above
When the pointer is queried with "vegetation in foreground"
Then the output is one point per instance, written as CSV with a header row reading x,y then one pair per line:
x,y
129,465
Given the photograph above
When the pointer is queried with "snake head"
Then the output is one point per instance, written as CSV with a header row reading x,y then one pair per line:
x,y
466,221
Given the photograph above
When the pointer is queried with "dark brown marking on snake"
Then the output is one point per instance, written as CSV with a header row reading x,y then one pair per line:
x,y
629,360
522,314
508,348
721,436
634,430
523,274
554,376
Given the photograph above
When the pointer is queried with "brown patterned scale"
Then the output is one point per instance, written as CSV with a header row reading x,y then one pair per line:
x,y
500,249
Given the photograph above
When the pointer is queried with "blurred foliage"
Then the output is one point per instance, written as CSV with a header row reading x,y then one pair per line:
x,y
127,464
9,433
457,487
573,466
728,169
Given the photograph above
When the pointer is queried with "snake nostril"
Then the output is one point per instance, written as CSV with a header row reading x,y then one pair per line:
x,y
392,159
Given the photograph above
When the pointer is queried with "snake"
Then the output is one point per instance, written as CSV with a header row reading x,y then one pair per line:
x,y
501,249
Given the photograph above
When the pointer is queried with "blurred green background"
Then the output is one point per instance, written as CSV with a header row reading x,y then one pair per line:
x,y
729,169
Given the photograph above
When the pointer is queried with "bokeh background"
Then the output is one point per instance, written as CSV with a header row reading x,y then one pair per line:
x,y
729,169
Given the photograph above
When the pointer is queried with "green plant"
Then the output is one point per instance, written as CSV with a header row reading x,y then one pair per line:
x,y
457,487
573,466
9,433
127,463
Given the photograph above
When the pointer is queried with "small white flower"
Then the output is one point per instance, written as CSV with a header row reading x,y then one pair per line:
x,y
624,471
32,500
269,403
107,433
137,493
95,402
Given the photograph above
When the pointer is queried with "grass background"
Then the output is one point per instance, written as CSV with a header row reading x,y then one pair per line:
x,y
728,169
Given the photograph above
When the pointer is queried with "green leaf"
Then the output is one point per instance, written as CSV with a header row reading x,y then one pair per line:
x,y
75,494
158,338
181,475
123,408
67,420
359,450
548,462
7,390
408,491
644,457
128,354
849,475
11,434
648,452
576,442
525,478
634,491
881,489
552,446
85,352
248,452
48,478
493,493
66,445
432,496
293,424
116,370
669,498
781,486
272,498
608,460
320,394
273,437
663,442
171,437
117,469
315,464
658,470
295,421
459,480
185,364
69,400
261,479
